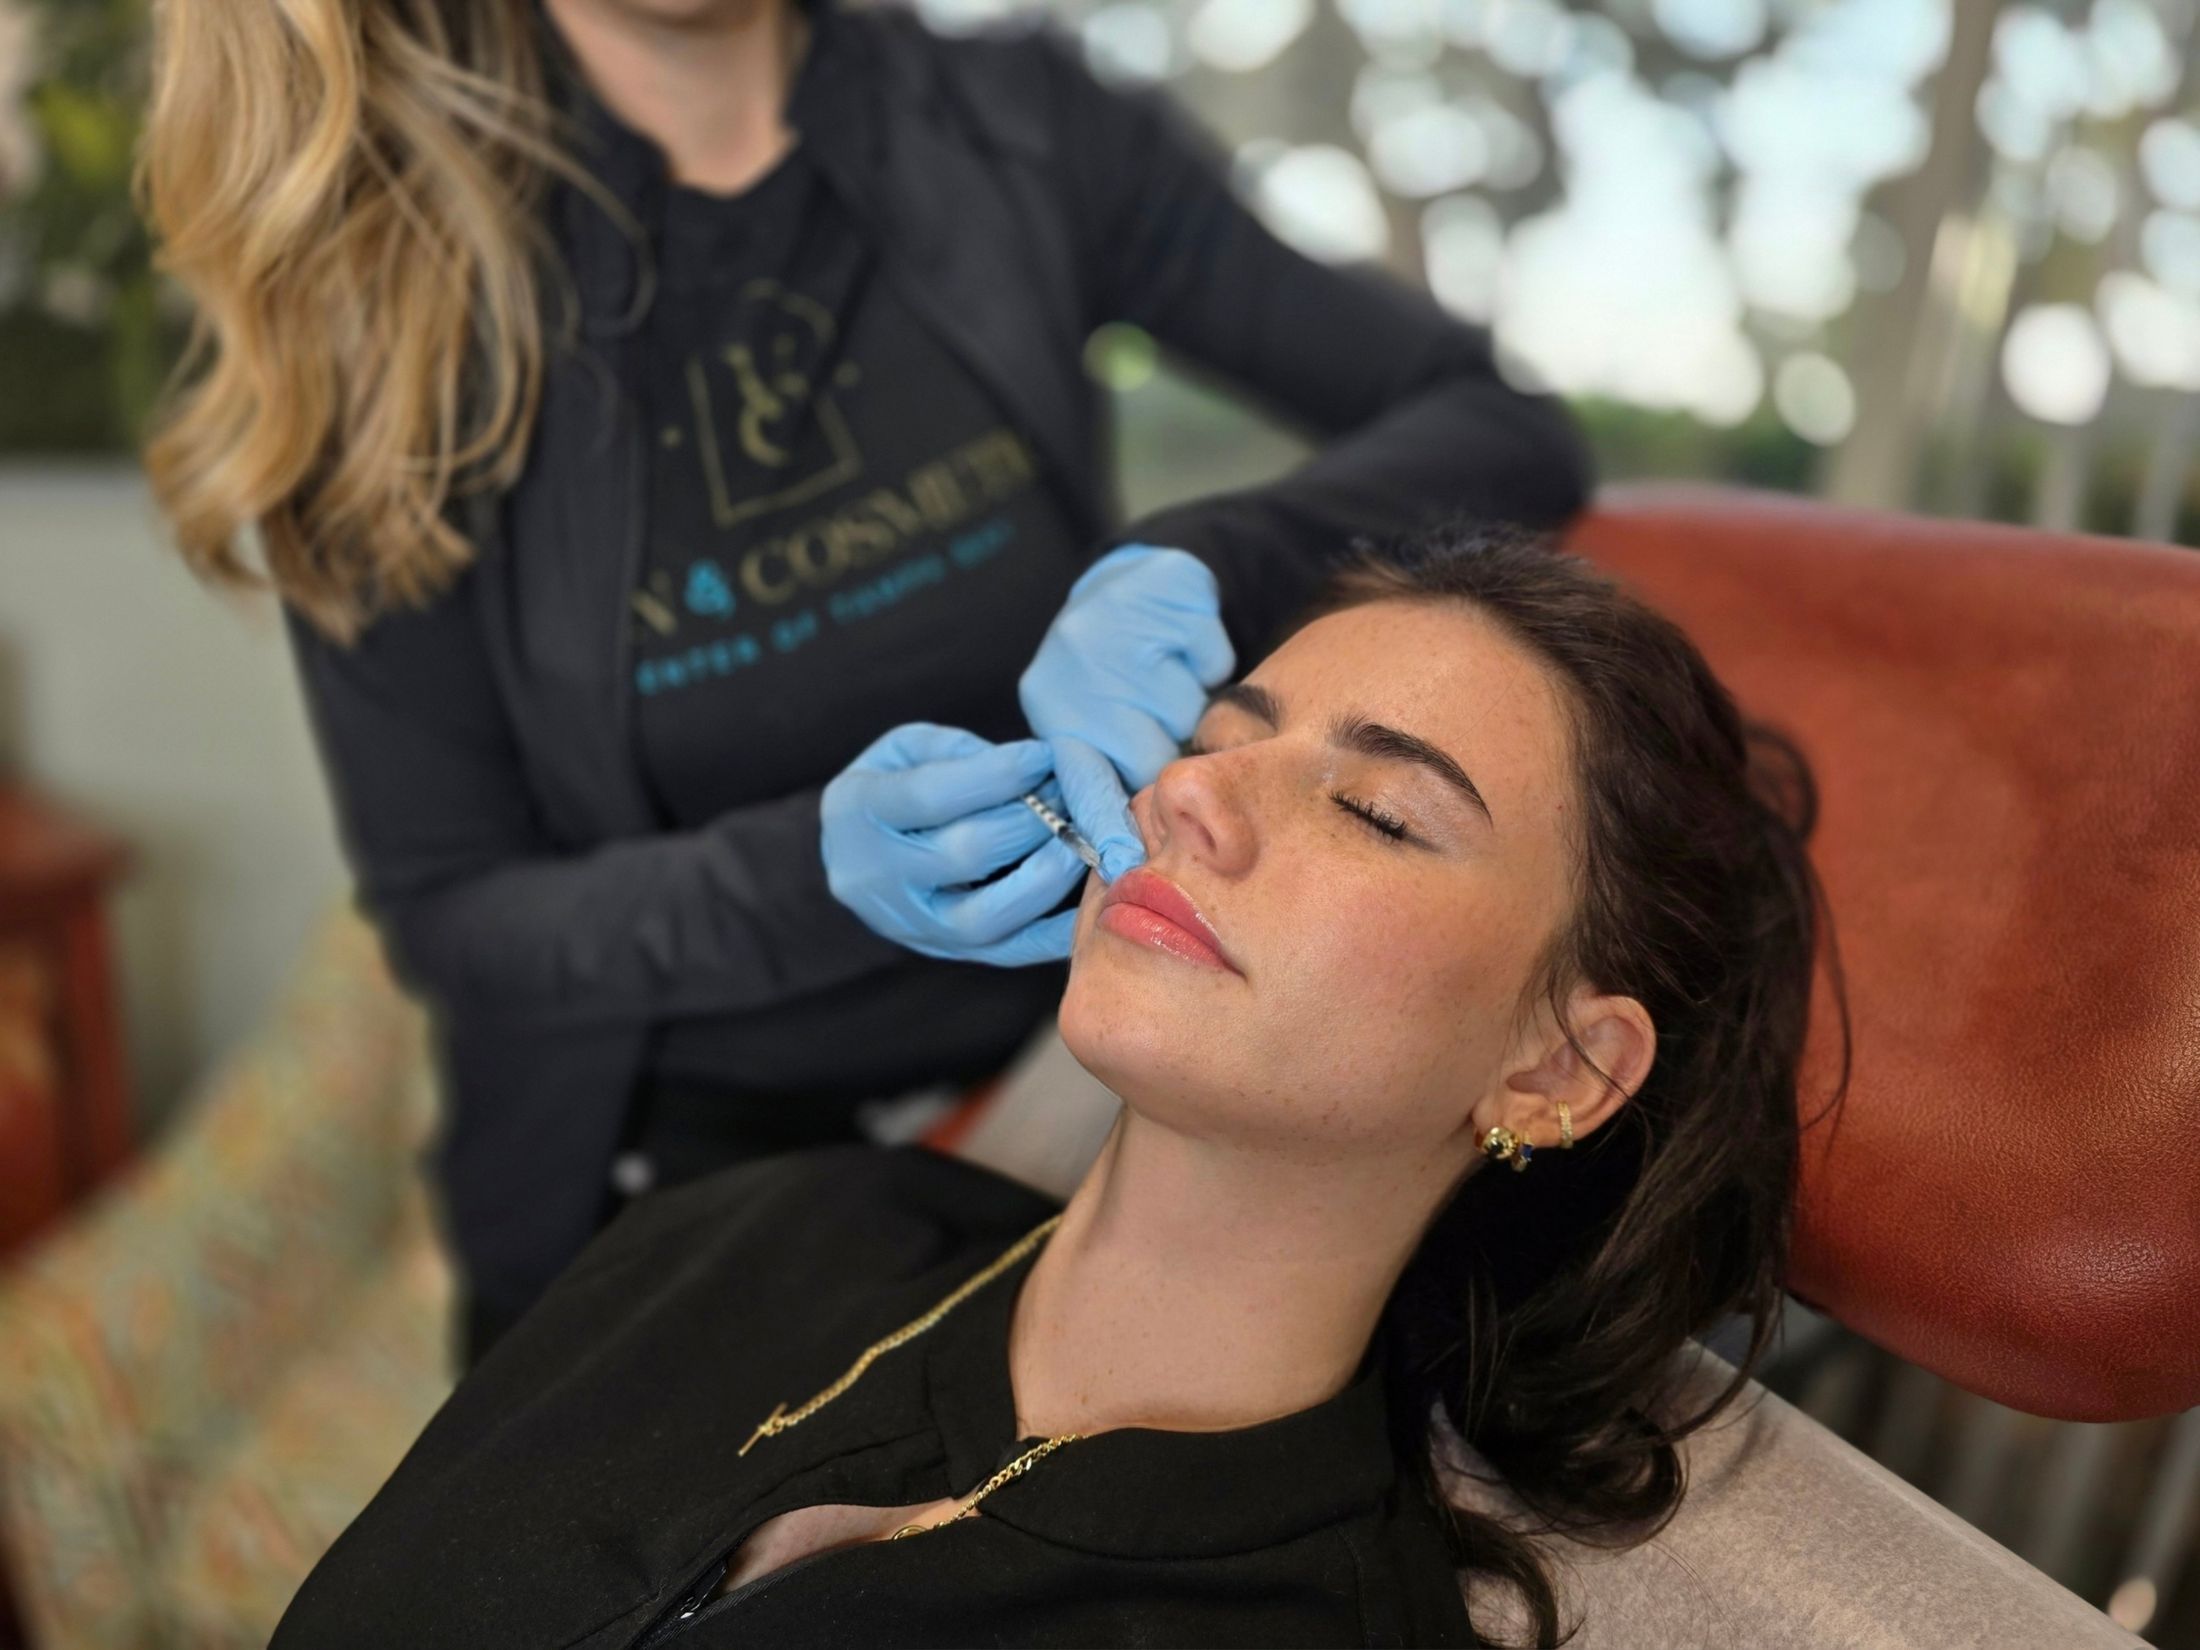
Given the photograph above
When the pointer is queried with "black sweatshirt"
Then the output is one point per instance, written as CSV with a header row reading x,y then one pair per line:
x,y
846,531
484,754
584,1486
832,492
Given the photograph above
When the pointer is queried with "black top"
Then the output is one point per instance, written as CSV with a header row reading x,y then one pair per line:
x,y
484,750
846,530
583,1486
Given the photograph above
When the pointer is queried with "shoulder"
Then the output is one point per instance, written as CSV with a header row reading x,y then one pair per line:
x,y
815,1244
997,47
806,1239
1014,85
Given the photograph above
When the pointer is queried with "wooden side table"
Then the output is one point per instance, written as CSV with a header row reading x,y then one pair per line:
x,y
65,1113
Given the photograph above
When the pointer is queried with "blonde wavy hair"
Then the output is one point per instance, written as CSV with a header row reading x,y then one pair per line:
x,y
350,192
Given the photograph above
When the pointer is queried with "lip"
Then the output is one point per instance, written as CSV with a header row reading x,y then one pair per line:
x,y
1180,929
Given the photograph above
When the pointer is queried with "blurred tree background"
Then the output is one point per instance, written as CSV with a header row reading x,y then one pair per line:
x,y
1929,254
86,334
1910,253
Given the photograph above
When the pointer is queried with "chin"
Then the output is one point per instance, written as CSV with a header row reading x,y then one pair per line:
x,y
1152,1046
1139,1024
1117,1028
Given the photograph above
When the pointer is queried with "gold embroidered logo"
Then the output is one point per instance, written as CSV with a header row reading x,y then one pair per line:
x,y
749,400
761,391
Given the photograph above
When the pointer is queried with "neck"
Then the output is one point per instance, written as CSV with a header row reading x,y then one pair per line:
x,y
710,91
1194,1286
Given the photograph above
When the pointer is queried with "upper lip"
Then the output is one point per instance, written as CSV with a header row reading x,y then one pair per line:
x,y
1148,887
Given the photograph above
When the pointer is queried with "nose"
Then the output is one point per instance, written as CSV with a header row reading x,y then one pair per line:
x,y
1194,807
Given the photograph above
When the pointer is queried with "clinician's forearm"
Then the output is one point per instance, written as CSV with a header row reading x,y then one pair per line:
x,y
1469,446
732,917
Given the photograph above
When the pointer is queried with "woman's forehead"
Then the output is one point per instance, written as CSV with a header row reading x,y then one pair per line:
x,y
1443,671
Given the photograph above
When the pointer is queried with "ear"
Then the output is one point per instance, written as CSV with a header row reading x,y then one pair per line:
x,y
1619,1038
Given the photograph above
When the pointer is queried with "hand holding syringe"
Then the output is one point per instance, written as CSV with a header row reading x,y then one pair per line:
x,y
958,848
924,836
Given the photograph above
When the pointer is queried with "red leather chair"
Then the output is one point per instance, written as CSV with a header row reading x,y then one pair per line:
x,y
2005,725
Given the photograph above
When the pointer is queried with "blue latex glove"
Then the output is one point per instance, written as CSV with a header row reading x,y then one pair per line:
x,y
925,811
1119,683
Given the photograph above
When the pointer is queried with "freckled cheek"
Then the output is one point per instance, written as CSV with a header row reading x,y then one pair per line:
x,y
1410,974
1368,961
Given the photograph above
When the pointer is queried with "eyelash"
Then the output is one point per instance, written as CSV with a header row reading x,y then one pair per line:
x,y
1385,825
1388,826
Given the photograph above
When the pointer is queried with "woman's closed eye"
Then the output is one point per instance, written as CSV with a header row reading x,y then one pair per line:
x,y
1383,823
1386,825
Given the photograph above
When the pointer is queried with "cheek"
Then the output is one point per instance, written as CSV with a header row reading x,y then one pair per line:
x,y
1397,1002
1375,1013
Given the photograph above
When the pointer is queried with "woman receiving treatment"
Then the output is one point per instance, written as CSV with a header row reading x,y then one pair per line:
x,y
1479,870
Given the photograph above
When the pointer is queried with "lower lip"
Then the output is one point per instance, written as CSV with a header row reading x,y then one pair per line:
x,y
1150,927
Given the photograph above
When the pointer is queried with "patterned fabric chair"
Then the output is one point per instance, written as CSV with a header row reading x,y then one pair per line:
x,y
204,1379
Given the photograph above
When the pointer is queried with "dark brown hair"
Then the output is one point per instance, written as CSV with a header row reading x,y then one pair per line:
x,y
1543,1311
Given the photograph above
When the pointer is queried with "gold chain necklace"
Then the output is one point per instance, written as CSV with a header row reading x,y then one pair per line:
x,y
781,1417
1015,1469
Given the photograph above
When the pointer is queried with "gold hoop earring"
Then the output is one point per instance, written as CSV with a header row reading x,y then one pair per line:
x,y
1501,1145
1565,1127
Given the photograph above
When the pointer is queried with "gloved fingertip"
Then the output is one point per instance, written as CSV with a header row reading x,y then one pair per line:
x,y
1117,858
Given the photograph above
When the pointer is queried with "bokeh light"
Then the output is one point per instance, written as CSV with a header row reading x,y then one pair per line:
x,y
2055,364
2169,158
1712,28
2169,250
1239,36
1429,150
1813,397
1790,246
2083,191
1319,198
1396,32
1129,43
2155,333
1463,250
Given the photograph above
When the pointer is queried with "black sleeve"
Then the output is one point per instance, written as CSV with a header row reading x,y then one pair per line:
x,y
1419,423
486,914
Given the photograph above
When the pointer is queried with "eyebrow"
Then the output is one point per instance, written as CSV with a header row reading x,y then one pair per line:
x,y
1351,731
